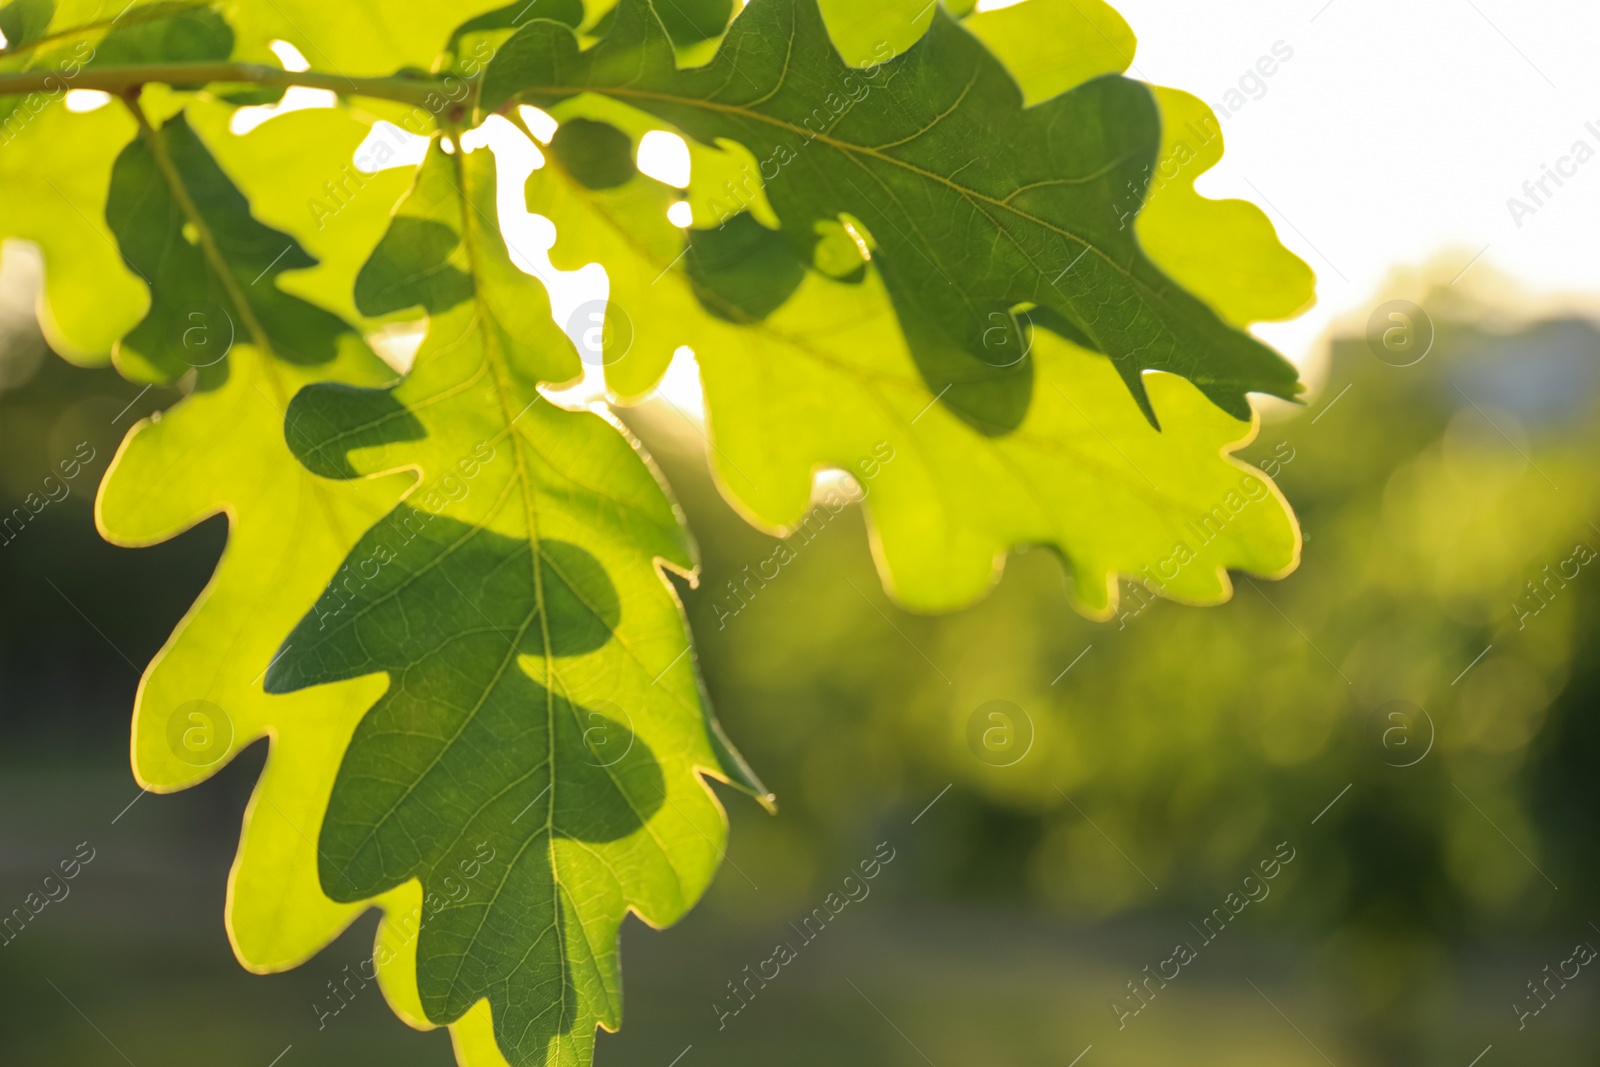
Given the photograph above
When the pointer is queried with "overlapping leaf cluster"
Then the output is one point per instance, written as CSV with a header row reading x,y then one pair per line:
x,y
940,254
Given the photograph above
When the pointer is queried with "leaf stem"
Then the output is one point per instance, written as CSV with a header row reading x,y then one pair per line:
x,y
120,80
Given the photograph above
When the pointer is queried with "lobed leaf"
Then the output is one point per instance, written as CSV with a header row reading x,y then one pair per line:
x,y
1085,472
542,707
58,163
151,248
978,207
222,451
823,359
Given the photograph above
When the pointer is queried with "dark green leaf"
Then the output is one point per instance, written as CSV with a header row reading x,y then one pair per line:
x,y
979,206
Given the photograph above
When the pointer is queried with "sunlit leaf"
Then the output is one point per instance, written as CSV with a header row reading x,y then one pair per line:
x,y
822,378
543,710
222,451
58,163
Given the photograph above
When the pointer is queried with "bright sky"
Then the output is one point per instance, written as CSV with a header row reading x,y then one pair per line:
x,y
1397,133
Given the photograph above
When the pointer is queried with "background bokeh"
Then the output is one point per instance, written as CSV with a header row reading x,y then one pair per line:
x,y
1405,716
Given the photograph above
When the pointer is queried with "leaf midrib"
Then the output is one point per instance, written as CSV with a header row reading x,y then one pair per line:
x,y
495,359
506,396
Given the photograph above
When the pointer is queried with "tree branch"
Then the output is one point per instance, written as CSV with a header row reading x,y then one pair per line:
x,y
118,80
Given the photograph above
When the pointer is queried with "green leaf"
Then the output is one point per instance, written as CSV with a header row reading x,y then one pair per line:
x,y
1226,252
1085,472
24,22
979,207
831,366
59,163
542,706
222,451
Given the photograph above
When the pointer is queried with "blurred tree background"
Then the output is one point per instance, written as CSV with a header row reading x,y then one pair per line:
x,y
1410,718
